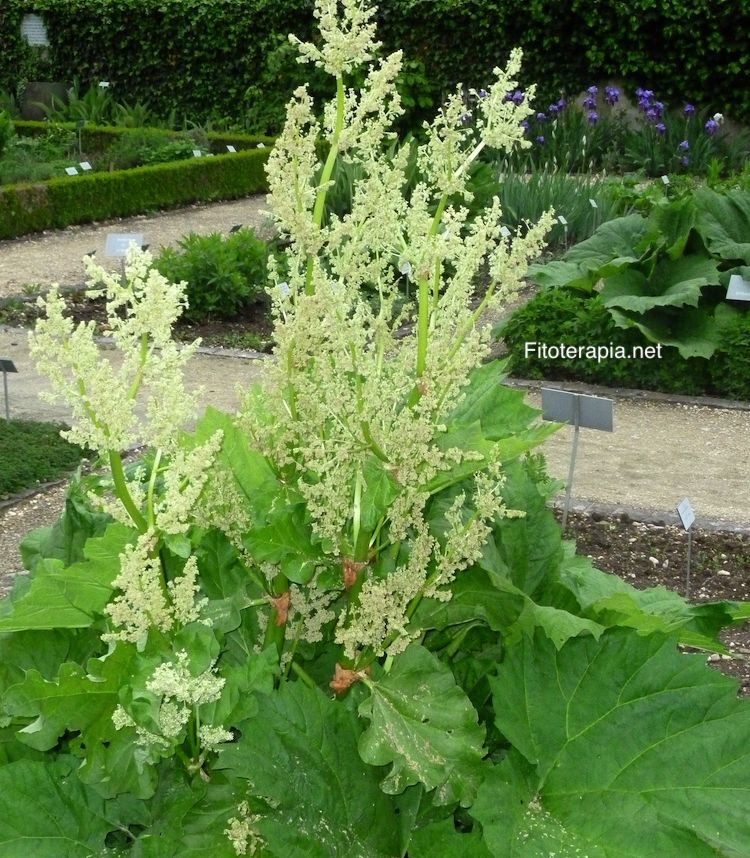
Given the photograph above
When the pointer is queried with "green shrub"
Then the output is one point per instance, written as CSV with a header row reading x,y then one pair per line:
x,y
556,316
7,131
730,366
33,452
148,146
223,273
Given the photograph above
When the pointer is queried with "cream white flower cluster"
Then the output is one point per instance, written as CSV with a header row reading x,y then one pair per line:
x,y
145,601
351,394
348,37
102,392
181,693
241,831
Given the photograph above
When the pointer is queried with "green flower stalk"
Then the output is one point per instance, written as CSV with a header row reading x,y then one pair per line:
x,y
354,414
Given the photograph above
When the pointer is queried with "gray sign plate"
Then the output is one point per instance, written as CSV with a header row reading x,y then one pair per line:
x,y
594,412
7,365
117,243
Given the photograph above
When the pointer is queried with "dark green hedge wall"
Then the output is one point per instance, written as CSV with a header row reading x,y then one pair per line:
x,y
201,56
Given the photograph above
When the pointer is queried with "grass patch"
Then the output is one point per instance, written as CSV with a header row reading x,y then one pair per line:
x,y
32,452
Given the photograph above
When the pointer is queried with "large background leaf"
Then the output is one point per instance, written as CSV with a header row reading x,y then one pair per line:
x,y
724,223
632,747
72,597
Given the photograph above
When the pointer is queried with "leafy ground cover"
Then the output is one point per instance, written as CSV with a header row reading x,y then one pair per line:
x,y
31,453
38,158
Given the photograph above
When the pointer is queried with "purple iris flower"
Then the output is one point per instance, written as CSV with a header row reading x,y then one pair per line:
x,y
483,93
466,117
711,127
524,123
688,109
562,104
593,117
517,97
684,160
611,95
638,91
541,117
592,90
589,103
553,110
540,140
660,128
659,107
684,146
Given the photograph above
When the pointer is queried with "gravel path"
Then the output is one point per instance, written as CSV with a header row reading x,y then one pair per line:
x,y
55,256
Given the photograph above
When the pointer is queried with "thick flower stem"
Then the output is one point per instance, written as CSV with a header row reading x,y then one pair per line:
x,y
320,199
122,493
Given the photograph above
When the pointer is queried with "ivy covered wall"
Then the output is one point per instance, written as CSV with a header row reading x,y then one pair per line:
x,y
230,58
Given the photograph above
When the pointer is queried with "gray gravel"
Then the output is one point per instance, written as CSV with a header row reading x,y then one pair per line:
x,y
34,262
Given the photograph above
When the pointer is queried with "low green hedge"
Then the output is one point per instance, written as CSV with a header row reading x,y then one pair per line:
x,y
57,203
556,316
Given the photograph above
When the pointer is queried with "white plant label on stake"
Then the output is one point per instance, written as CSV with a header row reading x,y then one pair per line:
x,y
687,517
739,288
593,204
665,179
561,220
505,232
85,166
686,514
230,148
71,171
197,153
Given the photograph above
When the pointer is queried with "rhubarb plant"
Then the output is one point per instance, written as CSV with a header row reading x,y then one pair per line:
x,y
343,621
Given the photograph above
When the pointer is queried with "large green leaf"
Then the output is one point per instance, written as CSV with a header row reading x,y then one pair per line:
x,y
82,703
612,602
527,549
66,538
286,541
673,283
670,225
633,748
48,813
724,223
616,244
515,825
72,597
441,840
692,330
425,726
501,411
299,754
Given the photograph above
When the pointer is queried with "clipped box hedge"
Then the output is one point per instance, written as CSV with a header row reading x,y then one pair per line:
x,y
57,203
